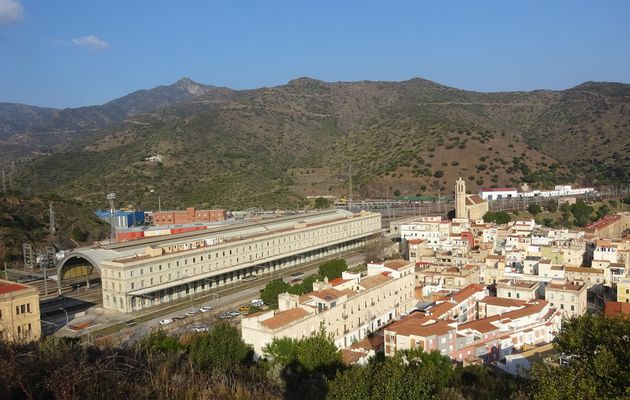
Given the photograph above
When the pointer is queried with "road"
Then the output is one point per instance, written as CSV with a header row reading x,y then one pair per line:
x,y
116,327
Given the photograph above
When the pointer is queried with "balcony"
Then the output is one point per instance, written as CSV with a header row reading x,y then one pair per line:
x,y
344,316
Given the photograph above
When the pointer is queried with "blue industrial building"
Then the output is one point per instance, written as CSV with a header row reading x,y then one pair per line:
x,y
122,219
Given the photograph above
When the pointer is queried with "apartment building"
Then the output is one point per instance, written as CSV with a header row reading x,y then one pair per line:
x,y
518,289
348,309
489,339
569,298
460,306
591,277
172,268
19,312
447,277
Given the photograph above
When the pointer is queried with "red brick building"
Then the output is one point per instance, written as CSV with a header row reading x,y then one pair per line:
x,y
188,216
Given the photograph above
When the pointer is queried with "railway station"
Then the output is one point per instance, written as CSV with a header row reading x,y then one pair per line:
x,y
148,272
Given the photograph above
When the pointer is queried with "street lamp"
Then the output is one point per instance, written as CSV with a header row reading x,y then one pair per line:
x,y
67,319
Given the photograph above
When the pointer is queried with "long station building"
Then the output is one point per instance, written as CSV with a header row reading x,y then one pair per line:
x,y
148,272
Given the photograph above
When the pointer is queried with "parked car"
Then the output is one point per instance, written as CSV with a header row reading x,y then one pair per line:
x,y
175,318
166,321
250,278
234,313
200,329
297,275
257,303
191,313
226,315
244,308
205,309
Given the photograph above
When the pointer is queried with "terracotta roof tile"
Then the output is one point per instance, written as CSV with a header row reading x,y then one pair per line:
x,y
283,318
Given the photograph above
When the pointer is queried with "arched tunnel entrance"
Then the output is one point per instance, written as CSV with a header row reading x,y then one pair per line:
x,y
75,272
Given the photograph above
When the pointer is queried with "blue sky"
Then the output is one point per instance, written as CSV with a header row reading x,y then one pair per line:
x,y
71,53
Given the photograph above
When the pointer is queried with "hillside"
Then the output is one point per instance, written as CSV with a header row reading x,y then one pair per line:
x,y
26,220
28,130
272,146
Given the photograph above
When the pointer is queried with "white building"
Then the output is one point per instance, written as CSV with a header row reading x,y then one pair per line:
x,y
497,193
149,272
348,309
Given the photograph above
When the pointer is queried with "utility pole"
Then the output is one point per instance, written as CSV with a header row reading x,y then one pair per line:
x,y
51,222
111,197
350,183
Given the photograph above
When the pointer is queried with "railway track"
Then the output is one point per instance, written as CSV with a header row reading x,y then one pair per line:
x,y
212,294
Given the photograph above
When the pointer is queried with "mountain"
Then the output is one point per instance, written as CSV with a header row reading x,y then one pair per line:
x,y
29,130
275,145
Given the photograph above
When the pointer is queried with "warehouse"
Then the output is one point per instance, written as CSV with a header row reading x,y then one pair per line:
x,y
152,271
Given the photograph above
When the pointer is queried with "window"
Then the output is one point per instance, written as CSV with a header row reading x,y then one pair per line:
x,y
22,308
28,307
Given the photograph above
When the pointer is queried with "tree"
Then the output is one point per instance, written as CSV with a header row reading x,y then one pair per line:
x,y
222,348
333,269
319,353
283,351
598,350
534,209
270,293
499,217
603,210
162,342
410,374
439,173
552,206
321,203
582,213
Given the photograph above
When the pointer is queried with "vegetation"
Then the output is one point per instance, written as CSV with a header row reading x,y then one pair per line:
x,y
217,365
499,217
534,209
299,139
598,351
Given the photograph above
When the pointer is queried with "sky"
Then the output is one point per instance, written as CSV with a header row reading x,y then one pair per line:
x,y
74,53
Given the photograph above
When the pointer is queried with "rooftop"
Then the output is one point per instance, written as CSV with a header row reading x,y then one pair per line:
x,y
8,287
502,302
373,281
396,264
283,318
569,287
506,189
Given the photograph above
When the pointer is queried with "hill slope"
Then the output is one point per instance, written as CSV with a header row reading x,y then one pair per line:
x,y
29,130
26,220
273,146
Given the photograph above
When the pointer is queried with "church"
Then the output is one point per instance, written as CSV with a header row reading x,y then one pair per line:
x,y
470,206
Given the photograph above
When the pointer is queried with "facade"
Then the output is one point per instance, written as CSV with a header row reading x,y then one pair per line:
x,y
623,290
166,269
468,206
188,216
568,298
349,309
591,277
497,193
521,290
19,312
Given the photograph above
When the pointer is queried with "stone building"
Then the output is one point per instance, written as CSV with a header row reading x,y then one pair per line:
x,y
470,206
19,312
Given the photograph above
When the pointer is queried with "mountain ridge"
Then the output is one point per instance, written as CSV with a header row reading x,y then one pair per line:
x,y
298,139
